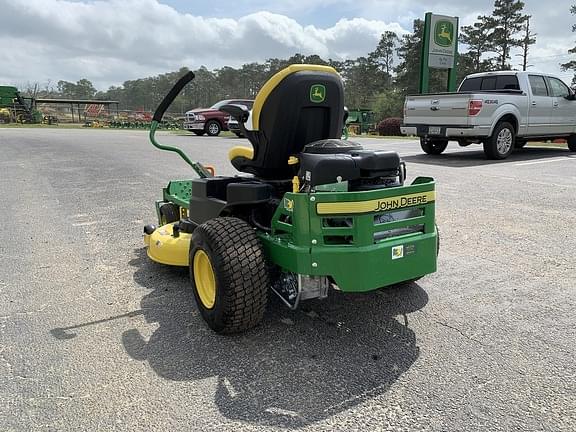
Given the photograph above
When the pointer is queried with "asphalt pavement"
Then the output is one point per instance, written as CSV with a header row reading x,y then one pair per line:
x,y
95,337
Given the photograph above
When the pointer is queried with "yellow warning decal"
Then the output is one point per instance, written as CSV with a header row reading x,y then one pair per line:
x,y
377,205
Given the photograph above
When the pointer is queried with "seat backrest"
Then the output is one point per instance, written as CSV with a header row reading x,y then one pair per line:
x,y
298,105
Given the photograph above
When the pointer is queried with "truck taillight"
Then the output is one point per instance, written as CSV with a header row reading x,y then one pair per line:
x,y
405,107
474,107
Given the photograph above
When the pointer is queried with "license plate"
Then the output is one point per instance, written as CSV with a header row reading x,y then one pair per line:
x,y
434,130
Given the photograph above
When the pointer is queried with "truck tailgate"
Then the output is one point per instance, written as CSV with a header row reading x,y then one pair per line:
x,y
439,109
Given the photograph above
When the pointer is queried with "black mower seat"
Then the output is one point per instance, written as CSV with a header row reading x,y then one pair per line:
x,y
298,105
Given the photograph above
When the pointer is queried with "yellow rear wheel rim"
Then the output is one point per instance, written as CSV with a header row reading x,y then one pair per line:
x,y
204,279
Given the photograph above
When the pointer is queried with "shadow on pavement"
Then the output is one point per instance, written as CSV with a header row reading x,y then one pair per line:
x,y
296,367
469,158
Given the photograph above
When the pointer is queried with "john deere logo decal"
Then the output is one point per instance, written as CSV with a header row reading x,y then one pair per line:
x,y
317,93
398,252
444,33
288,204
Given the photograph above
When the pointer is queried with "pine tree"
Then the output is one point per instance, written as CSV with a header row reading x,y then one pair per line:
x,y
477,37
408,69
409,51
506,21
571,65
363,79
383,55
527,40
466,65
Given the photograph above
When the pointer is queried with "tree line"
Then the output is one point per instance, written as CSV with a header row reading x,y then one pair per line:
x,y
377,81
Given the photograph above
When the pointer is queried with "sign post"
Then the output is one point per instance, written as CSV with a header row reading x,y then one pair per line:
x,y
439,49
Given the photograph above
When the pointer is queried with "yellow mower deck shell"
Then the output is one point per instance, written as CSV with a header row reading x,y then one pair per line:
x,y
163,248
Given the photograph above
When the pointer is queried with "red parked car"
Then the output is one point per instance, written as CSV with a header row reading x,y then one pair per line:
x,y
211,120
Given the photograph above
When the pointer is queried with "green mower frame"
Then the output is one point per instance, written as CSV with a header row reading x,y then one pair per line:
x,y
316,240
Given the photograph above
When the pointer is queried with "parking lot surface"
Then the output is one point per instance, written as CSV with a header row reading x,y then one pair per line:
x,y
95,337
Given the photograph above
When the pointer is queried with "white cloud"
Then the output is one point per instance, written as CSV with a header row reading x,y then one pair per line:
x,y
112,41
349,38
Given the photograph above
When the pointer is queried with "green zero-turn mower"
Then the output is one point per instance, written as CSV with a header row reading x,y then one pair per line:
x,y
310,213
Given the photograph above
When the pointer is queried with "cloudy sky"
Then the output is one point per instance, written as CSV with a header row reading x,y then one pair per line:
x,y
111,41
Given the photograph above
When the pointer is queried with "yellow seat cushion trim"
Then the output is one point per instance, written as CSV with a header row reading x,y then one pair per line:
x,y
275,80
293,160
240,151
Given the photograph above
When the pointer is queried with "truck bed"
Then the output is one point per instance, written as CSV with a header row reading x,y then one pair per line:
x,y
451,109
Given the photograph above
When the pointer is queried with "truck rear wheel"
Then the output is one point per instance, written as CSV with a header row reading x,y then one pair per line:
x,y
229,274
501,143
433,147
572,143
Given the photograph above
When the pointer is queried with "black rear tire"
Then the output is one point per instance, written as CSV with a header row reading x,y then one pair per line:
x,y
240,271
433,147
169,213
571,143
501,143
213,128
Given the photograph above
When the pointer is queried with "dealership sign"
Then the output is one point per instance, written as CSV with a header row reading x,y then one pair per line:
x,y
443,39
439,49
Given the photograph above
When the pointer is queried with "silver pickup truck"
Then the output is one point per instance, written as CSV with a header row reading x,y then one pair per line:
x,y
501,110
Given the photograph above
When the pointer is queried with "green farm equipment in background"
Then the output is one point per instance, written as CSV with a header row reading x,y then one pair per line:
x,y
15,108
5,115
141,119
126,124
361,121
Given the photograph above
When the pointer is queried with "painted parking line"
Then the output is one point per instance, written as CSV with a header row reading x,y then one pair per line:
x,y
559,159
536,182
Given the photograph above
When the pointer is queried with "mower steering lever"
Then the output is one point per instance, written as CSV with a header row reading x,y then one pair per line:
x,y
166,102
169,98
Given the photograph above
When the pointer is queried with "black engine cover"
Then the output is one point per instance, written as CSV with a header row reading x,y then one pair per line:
x,y
318,169
332,146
